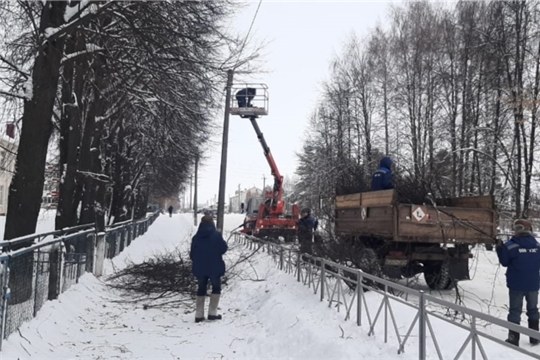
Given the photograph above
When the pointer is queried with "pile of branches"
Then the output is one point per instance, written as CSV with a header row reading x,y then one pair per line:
x,y
165,279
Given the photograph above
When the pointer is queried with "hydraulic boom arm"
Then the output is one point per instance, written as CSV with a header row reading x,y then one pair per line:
x,y
278,179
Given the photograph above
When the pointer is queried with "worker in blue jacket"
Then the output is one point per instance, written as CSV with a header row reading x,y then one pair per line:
x,y
521,256
207,249
307,225
382,178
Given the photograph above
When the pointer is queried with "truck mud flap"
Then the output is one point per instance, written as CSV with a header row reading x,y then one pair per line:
x,y
459,269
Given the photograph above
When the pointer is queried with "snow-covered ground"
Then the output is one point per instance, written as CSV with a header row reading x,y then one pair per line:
x,y
266,314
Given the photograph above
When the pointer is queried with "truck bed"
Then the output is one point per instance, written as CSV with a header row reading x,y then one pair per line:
x,y
467,220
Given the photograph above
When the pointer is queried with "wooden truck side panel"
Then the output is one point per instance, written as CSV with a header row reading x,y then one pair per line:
x,y
369,213
379,223
378,214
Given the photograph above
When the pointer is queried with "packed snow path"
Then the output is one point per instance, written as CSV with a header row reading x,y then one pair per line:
x,y
266,314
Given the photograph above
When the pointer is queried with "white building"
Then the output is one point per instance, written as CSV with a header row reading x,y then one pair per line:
x,y
242,196
8,155
51,186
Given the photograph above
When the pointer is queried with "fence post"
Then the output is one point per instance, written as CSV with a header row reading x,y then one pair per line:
x,y
55,271
280,258
37,262
5,298
121,240
473,340
385,313
289,262
298,266
128,235
100,254
422,327
323,276
359,293
62,259
90,250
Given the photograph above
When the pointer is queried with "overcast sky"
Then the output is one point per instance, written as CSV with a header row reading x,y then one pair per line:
x,y
303,37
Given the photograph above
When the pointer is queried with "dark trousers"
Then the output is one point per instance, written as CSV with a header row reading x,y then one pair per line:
x,y
305,238
202,282
516,305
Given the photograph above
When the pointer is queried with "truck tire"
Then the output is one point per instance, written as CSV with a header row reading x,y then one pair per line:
x,y
438,277
370,264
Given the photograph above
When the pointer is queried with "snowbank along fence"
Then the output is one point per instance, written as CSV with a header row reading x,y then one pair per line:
x,y
407,316
56,260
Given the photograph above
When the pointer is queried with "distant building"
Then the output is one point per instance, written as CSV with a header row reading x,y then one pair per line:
x,y
242,196
8,155
51,186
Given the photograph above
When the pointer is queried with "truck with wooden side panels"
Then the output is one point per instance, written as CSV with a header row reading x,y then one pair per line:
x,y
407,239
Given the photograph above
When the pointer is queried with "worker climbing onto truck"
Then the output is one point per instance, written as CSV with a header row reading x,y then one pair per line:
x,y
245,96
307,225
382,178
521,256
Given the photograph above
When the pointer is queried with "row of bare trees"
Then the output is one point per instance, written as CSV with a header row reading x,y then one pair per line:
x,y
129,87
450,92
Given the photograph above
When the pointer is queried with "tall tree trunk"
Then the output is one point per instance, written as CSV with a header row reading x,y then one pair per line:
x,y
70,140
91,166
26,187
495,139
532,141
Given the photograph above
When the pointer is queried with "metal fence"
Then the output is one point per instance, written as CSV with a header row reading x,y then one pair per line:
x,y
421,330
31,275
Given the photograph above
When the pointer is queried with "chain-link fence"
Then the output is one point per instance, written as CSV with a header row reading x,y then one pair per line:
x,y
53,263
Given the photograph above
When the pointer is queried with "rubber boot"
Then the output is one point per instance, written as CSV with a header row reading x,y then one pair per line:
x,y
199,310
513,338
212,308
533,325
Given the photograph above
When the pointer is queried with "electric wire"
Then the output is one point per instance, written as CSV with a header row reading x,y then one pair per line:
x,y
247,35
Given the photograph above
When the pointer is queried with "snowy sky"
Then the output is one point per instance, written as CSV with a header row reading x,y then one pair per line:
x,y
303,37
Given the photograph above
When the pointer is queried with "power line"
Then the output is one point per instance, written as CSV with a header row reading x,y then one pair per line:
x,y
249,31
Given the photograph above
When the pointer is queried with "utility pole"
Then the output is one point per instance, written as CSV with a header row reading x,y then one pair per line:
x,y
264,183
195,192
224,144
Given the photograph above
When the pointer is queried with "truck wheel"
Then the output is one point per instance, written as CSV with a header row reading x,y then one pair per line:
x,y
438,277
370,263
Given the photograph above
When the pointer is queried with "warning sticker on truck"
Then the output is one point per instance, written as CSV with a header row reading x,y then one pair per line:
x,y
418,213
